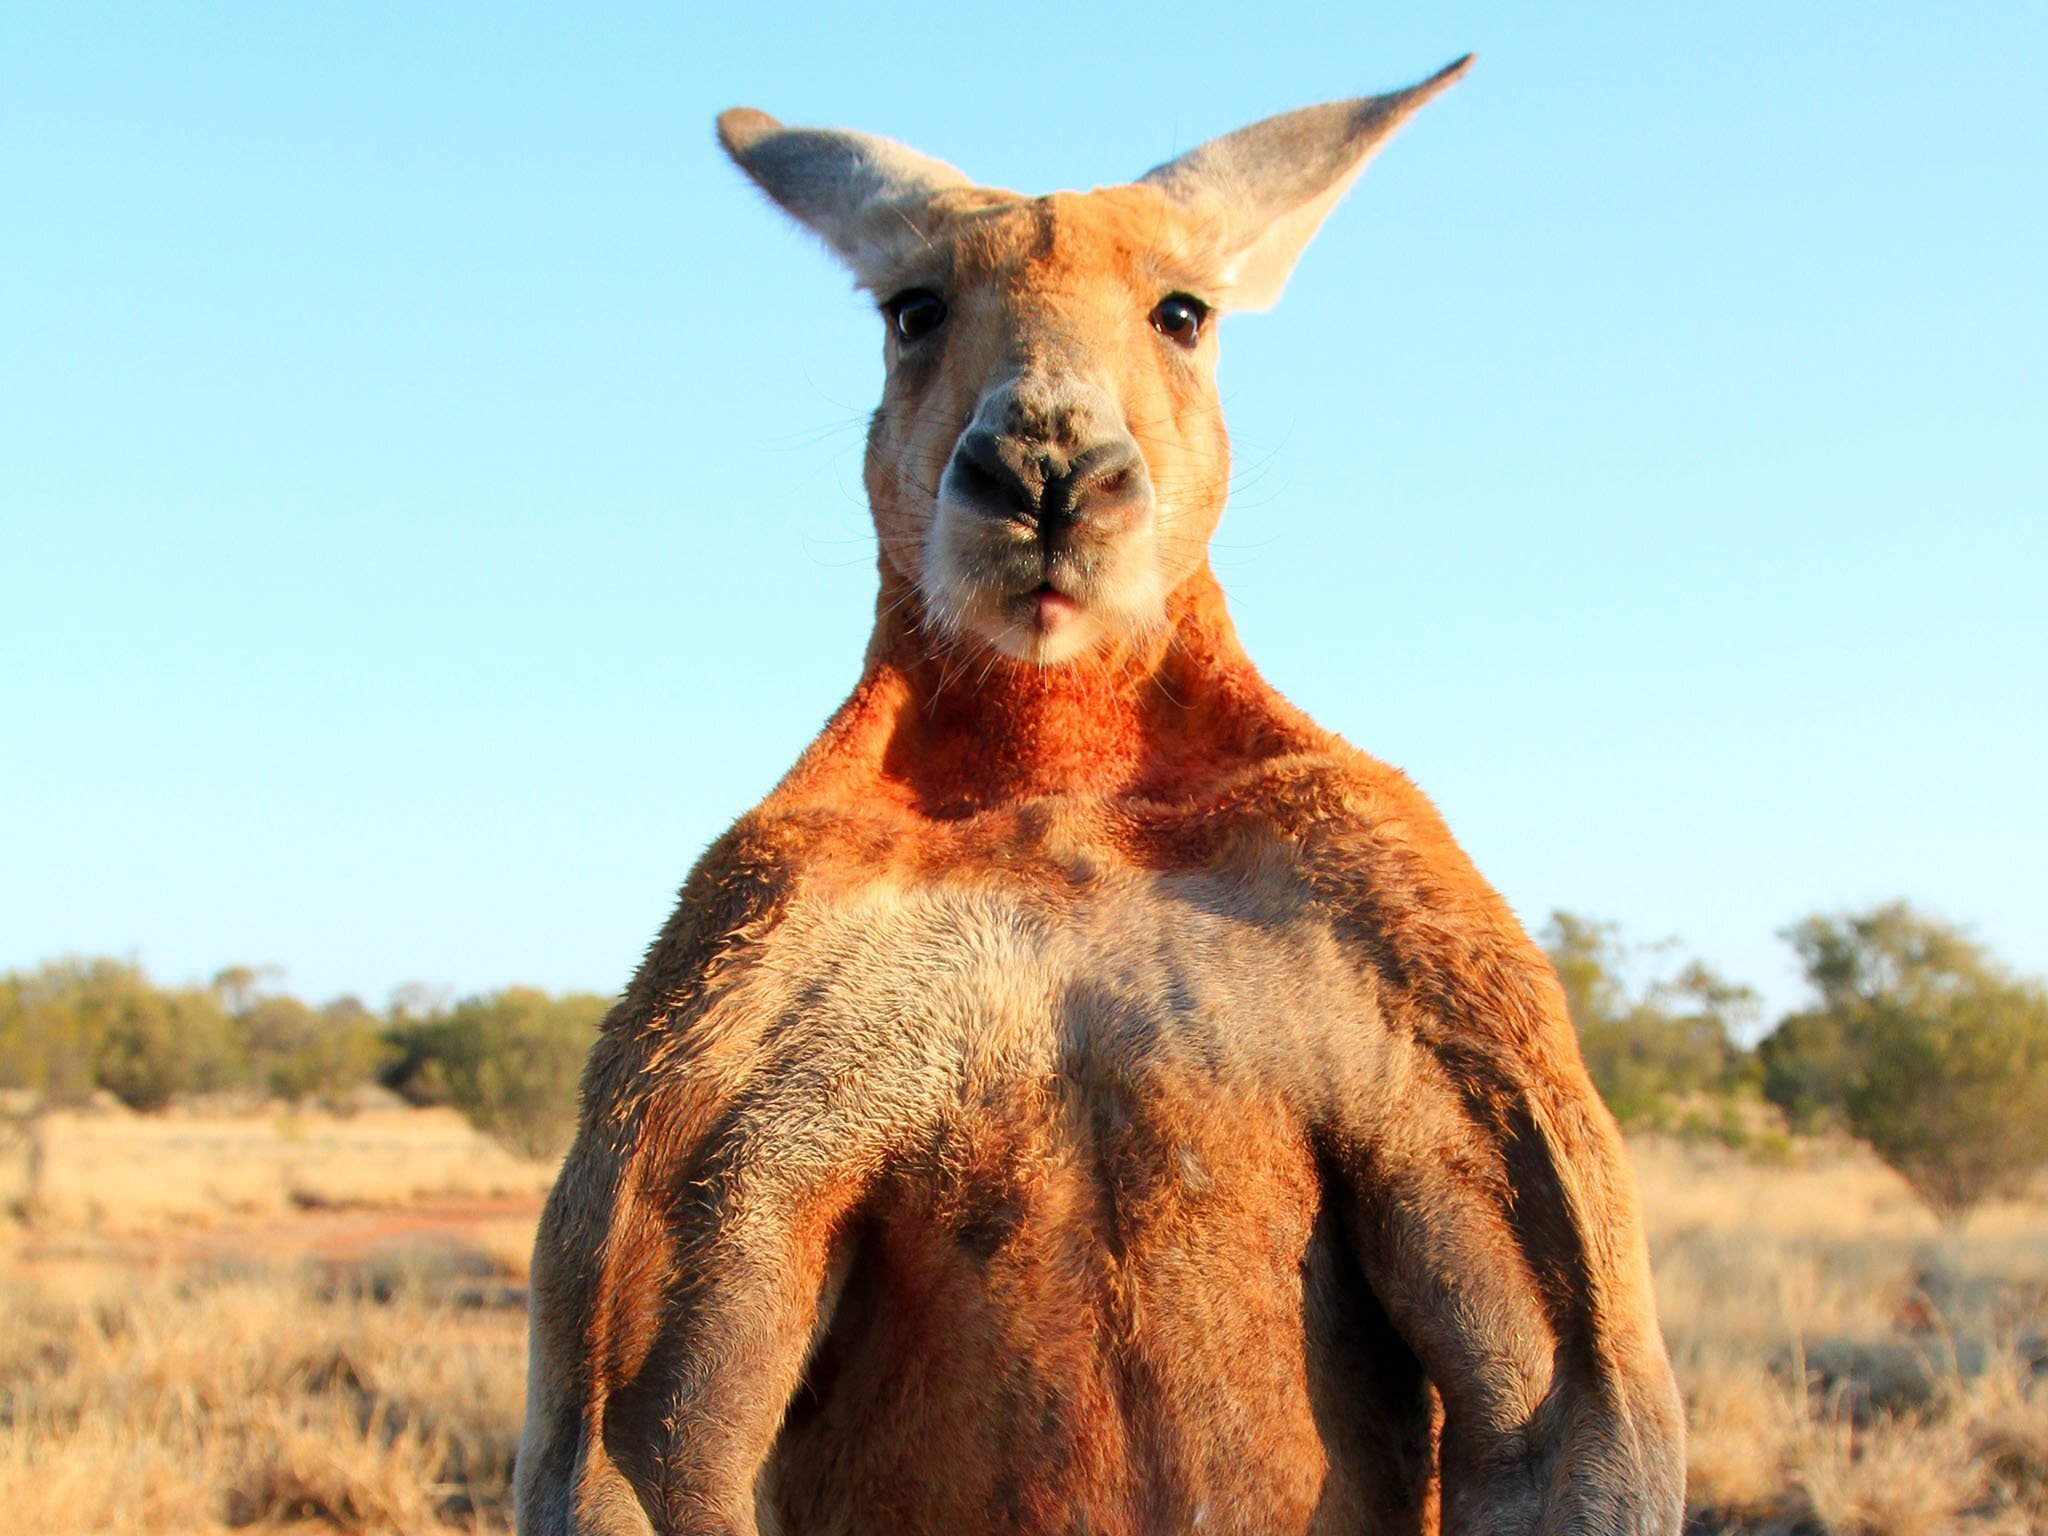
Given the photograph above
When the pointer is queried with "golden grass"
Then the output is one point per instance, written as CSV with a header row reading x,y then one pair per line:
x,y
114,1171
1851,1368
194,1405
213,1322
1849,1365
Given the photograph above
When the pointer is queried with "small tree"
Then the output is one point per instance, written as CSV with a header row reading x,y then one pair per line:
x,y
153,1044
1644,1051
414,1043
44,1049
1924,1046
72,1025
510,1061
1809,1065
297,1052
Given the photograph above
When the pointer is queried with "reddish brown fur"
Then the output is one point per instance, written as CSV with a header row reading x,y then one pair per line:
x,y
1298,1147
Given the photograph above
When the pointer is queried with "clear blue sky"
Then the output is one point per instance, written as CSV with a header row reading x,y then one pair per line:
x,y
429,478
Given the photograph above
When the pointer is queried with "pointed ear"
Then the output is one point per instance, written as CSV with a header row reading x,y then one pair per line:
x,y
858,193
1266,189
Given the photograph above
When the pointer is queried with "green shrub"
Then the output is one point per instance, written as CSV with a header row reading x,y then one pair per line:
x,y
44,1045
1808,1066
508,1060
1954,1093
1647,1051
72,1025
296,1052
1924,1046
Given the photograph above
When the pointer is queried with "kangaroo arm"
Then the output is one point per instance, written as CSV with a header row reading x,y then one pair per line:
x,y
677,1274
1488,1194
1492,1212
665,1352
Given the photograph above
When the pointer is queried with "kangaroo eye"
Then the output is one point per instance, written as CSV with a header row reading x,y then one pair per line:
x,y
915,313
1178,317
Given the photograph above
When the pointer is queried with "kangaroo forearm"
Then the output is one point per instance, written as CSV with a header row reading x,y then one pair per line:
x,y
1616,1468
660,1378
1497,1224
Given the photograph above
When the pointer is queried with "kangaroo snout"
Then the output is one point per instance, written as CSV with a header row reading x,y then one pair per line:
x,y
1045,484
1042,540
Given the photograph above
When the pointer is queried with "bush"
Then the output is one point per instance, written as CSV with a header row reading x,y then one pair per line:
x,y
72,1025
1808,1066
1646,1052
44,1048
296,1052
508,1060
1923,1046
1955,1095
155,1045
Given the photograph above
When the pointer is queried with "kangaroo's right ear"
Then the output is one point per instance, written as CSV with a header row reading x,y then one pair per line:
x,y
858,193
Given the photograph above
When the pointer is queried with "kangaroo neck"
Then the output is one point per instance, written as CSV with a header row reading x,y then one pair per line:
x,y
950,734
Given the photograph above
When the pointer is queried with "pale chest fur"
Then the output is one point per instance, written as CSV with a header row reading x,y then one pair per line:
x,y
1083,1120
936,1027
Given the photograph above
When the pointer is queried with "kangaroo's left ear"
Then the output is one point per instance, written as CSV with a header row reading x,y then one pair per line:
x,y
1265,190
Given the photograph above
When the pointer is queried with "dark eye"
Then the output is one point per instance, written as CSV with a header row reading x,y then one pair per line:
x,y
1178,317
915,313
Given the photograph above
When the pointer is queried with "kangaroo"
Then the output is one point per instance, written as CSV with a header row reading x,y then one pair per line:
x,y
1085,1095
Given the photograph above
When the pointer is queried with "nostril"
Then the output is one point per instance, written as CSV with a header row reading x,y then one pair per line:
x,y
984,474
1104,474
977,479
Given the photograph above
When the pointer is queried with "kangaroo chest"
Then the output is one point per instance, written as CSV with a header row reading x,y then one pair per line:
x,y
909,1009
1085,1121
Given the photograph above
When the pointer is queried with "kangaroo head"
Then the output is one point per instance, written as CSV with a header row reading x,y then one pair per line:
x,y
1048,461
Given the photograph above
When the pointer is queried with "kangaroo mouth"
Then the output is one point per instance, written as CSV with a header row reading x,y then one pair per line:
x,y
1050,607
1030,601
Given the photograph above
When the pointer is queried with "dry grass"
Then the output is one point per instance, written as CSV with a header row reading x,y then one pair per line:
x,y
113,1171
1849,1365
173,1361
212,1322
202,1403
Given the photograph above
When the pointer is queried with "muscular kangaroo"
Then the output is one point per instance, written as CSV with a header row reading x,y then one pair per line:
x,y
1085,1095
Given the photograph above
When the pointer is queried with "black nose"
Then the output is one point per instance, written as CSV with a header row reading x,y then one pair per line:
x,y
1040,484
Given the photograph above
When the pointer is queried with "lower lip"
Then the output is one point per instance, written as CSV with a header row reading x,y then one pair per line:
x,y
1054,608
